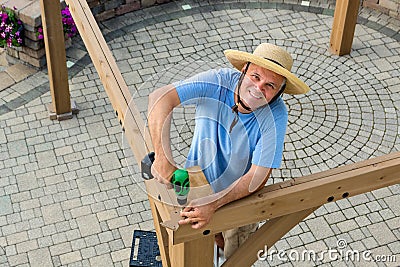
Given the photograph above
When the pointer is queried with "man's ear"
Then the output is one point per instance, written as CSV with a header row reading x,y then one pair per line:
x,y
245,67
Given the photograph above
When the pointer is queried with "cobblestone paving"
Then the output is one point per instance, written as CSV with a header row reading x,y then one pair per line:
x,y
71,196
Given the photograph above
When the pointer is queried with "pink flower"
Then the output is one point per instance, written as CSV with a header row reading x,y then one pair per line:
x,y
8,28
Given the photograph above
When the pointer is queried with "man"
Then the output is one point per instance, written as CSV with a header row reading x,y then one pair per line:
x,y
239,134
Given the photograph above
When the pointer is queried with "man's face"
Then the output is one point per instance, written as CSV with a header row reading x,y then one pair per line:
x,y
259,86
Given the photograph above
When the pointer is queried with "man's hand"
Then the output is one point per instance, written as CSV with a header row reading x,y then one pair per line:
x,y
199,211
162,171
197,214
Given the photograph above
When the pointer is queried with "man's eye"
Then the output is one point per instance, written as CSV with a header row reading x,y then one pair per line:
x,y
270,86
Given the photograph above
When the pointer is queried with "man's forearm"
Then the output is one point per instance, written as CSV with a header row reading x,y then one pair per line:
x,y
249,183
161,104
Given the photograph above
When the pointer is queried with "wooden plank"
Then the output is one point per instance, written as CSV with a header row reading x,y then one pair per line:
x,y
344,24
365,177
56,57
268,234
135,130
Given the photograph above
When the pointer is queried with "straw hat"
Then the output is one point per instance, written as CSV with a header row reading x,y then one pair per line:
x,y
271,57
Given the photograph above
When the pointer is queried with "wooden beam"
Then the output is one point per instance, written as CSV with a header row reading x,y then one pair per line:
x,y
344,24
323,188
56,60
121,99
266,236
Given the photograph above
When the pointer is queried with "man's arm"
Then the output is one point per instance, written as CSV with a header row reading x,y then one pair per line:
x,y
161,104
200,211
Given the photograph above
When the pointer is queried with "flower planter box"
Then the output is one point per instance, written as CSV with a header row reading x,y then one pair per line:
x,y
28,11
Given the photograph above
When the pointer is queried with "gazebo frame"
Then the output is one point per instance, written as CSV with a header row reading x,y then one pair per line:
x,y
282,205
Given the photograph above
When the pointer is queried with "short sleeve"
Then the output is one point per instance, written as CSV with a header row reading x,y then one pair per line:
x,y
208,84
269,148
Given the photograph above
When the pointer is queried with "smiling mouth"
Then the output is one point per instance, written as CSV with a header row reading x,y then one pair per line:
x,y
254,95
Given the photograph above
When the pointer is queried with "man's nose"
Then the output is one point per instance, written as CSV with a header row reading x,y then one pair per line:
x,y
258,86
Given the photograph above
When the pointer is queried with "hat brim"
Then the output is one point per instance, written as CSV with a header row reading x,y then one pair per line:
x,y
294,85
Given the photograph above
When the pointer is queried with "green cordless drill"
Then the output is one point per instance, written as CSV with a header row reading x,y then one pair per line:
x,y
181,185
180,178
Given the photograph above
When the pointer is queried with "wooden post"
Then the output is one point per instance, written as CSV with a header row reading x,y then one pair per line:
x,y
162,235
195,253
344,24
60,107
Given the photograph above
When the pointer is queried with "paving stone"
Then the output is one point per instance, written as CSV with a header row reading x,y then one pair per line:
x,y
392,202
26,246
88,225
347,225
26,181
46,159
375,217
382,233
117,223
52,213
15,238
109,161
19,72
70,257
5,205
381,193
102,260
17,148
394,248
88,186
7,81
96,130
307,237
18,260
60,249
335,217
319,227
121,255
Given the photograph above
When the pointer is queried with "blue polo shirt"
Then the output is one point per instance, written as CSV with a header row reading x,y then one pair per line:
x,y
224,156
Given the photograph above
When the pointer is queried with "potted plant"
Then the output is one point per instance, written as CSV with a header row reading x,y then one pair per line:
x,y
11,29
